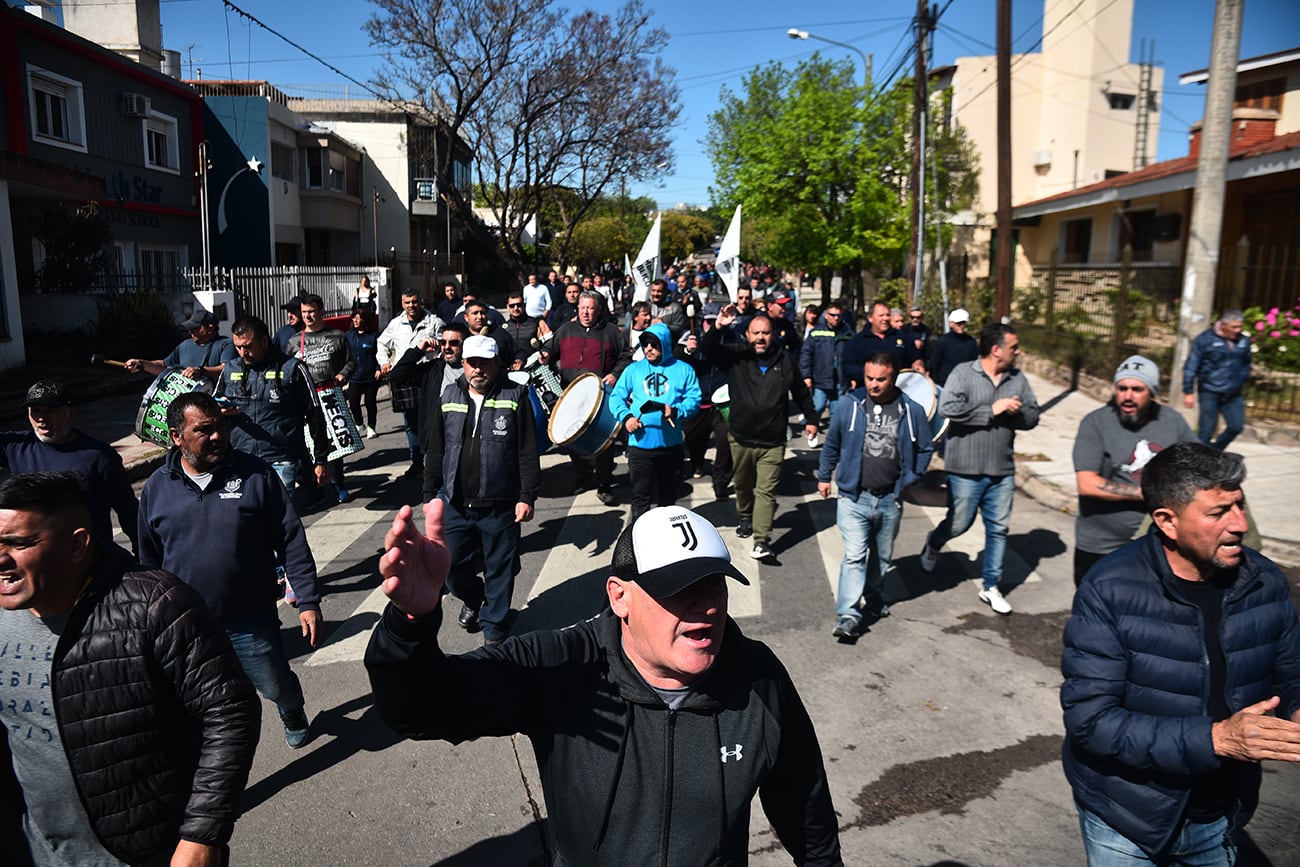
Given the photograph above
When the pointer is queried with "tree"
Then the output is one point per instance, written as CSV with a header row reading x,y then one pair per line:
x,y
597,240
554,106
684,233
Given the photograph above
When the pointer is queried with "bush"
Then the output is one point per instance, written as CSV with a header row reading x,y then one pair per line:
x,y
1275,335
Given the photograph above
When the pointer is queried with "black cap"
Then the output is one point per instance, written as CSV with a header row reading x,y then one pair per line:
x,y
293,305
47,392
668,549
198,319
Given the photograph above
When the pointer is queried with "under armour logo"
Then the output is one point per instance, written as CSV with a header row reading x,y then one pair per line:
x,y
731,754
689,540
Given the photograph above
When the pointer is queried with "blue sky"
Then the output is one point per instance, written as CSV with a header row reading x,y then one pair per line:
x,y
714,43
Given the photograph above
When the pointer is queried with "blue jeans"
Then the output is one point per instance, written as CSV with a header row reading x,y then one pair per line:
x,y
1233,407
991,495
493,530
822,397
261,652
288,473
1209,844
411,422
868,528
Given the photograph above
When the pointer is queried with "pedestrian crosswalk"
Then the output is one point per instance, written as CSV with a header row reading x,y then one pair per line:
x,y
571,537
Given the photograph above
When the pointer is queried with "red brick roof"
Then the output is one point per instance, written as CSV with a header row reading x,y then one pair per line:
x,y
1168,168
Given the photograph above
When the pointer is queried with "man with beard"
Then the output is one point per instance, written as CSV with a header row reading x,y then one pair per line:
x,y
761,378
664,309
878,445
1113,446
1181,674
205,492
54,445
483,465
433,365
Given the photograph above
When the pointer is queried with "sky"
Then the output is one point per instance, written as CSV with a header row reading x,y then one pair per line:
x,y
714,43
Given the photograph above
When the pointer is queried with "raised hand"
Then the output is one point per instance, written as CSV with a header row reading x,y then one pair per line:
x,y
415,564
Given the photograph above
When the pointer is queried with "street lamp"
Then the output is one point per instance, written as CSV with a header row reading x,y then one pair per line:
x,y
796,33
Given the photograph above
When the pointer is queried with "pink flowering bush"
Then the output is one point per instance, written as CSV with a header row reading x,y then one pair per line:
x,y
1275,337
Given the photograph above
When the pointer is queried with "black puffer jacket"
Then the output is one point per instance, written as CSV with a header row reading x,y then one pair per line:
x,y
157,717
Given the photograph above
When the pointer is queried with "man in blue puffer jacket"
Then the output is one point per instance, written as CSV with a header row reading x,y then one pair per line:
x,y
1217,369
1180,647
651,398
879,444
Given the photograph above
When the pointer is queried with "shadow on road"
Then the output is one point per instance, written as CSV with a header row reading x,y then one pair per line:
x,y
525,847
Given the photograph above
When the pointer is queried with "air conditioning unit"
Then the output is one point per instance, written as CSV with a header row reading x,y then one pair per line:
x,y
1043,157
135,105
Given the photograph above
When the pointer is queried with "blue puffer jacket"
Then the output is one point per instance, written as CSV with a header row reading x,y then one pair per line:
x,y
671,382
1137,681
843,446
1216,364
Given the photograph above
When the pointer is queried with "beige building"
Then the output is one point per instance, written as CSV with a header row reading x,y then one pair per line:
x,y
1080,113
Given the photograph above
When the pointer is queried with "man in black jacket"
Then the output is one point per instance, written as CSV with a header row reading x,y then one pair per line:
x,y
654,723
483,464
762,379
148,770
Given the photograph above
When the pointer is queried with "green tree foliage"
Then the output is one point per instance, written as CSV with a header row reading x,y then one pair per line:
x,y
684,233
75,242
601,239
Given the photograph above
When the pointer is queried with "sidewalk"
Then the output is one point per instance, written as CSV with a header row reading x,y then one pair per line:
x,y
1045,468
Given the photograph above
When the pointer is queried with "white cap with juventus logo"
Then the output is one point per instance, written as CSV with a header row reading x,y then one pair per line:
x,y
668,549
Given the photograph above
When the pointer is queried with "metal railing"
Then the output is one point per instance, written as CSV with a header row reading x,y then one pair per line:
x,y
261,291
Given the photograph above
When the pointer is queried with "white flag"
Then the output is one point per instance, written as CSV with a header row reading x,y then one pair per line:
x,y
646,266
728,264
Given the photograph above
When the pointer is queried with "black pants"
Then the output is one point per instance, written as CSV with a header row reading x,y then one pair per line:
x,y
655,474
698,430
600,467
357,392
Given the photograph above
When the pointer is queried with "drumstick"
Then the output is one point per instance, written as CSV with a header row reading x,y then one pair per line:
x,y
99,359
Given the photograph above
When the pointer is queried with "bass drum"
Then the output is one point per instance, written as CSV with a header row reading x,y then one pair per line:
x,y
582,422
925,392
151,420
541,412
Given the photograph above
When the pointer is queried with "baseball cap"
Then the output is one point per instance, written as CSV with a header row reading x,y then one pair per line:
x,y
294,304
479,346
1143,369
780,297
668,549
47,392
198,319
961,314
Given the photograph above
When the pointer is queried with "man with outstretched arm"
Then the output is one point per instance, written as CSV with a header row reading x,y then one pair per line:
x,y
654,723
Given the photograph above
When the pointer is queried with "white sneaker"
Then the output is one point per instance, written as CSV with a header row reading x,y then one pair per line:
x,y
370,433
929,557
760,551
993,596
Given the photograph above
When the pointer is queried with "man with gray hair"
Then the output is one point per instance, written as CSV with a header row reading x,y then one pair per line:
x,y
1114,445
1217,368
1182,674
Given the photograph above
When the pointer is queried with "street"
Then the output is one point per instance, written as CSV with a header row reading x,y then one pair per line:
x,y
940,727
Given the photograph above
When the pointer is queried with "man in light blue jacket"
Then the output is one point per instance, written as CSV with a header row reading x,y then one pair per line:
x,y
651,398
879,443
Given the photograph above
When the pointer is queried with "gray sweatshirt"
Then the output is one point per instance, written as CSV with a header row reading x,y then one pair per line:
x,y
979,443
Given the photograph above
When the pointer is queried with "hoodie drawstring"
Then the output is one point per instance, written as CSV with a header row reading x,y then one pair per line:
x,y
722,791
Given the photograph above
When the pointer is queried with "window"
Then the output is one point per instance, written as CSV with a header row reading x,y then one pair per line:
x,y
161,146
314,163
338,170
281,162
158,268
461,178
1078,240
57,109
1261,94
1137,228
1121,101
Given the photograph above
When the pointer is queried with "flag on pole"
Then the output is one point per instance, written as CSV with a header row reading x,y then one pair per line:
x,y
729,257
646,266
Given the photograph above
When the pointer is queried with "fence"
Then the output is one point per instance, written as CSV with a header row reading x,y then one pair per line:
x,y
261,291
1092,315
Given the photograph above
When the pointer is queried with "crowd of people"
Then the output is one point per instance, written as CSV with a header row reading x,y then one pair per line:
x,y
1182,656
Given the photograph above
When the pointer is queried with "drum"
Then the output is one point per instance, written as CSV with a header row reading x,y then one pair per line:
x,y
547,383
582,422
151,420
721,401
924,391
541,412
341,428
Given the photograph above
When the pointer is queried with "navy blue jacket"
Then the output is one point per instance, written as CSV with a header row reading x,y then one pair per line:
x,y
505,464
1137,680
1217,365
227,541
364,352
865,344
819,359
276,401
843,446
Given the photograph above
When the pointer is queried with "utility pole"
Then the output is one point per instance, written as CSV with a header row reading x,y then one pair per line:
x,y
919,97
1002,303
1206,228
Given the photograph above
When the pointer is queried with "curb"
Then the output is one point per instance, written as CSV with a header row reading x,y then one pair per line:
x,y
143,465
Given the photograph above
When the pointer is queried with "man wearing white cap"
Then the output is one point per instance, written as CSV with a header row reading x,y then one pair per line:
x,y
953,348
1114,444
483,465
654,723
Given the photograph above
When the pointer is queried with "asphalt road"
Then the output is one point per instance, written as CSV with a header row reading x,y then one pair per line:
x,y
940,727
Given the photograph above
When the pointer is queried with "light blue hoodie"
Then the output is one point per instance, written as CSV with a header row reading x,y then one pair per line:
x,y
670,382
